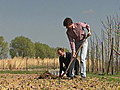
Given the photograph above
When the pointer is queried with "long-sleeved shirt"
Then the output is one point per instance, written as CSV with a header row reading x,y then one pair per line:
x,y
77,33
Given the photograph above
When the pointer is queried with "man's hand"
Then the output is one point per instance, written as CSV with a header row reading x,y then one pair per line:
x,y
74,54
89,34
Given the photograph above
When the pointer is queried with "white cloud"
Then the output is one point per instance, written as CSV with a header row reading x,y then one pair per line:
x,y
88,11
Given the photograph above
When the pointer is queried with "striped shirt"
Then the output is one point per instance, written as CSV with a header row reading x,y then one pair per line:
x,y
77,33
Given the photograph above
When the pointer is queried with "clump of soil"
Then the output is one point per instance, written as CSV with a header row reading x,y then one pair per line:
x,y
47,75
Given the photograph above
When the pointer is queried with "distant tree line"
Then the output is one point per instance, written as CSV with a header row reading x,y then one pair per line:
x,y
3,48
23,47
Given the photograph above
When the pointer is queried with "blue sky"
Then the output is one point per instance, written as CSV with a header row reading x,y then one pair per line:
x,y
41,20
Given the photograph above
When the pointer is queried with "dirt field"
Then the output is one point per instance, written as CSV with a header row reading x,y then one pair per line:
x,y
29,82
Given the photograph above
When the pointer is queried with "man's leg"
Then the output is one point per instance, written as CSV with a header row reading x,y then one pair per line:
x,y
64,69
76,68
83,55
77,45
71,69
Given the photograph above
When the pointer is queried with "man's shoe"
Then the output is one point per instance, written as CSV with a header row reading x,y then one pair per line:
x,y
83,76
76,73
71,77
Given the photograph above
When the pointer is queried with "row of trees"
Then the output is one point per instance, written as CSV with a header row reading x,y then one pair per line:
x,y
105,51
3,48
24,47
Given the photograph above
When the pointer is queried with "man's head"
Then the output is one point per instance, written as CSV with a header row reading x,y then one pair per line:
x,y
61,52
68,23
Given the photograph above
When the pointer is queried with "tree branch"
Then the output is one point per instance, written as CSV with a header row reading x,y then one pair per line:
x,y
116,51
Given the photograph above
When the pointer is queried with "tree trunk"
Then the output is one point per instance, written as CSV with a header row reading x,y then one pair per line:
x,y
117,48
92,54
111,59
102,57
88,61
97,57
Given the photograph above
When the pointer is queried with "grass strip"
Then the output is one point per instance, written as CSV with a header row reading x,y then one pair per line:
x,y
21,72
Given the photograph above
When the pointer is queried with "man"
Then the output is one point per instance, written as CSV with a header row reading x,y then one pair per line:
x,y
76,35
65,58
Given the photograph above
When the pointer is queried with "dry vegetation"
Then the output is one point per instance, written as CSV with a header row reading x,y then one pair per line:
x,y
23,63
36,64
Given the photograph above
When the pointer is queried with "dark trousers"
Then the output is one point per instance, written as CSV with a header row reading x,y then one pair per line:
x,y
75,65
68,73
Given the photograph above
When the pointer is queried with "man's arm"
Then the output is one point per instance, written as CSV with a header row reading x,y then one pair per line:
x,y
85,25
72,44
89,31
61,65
